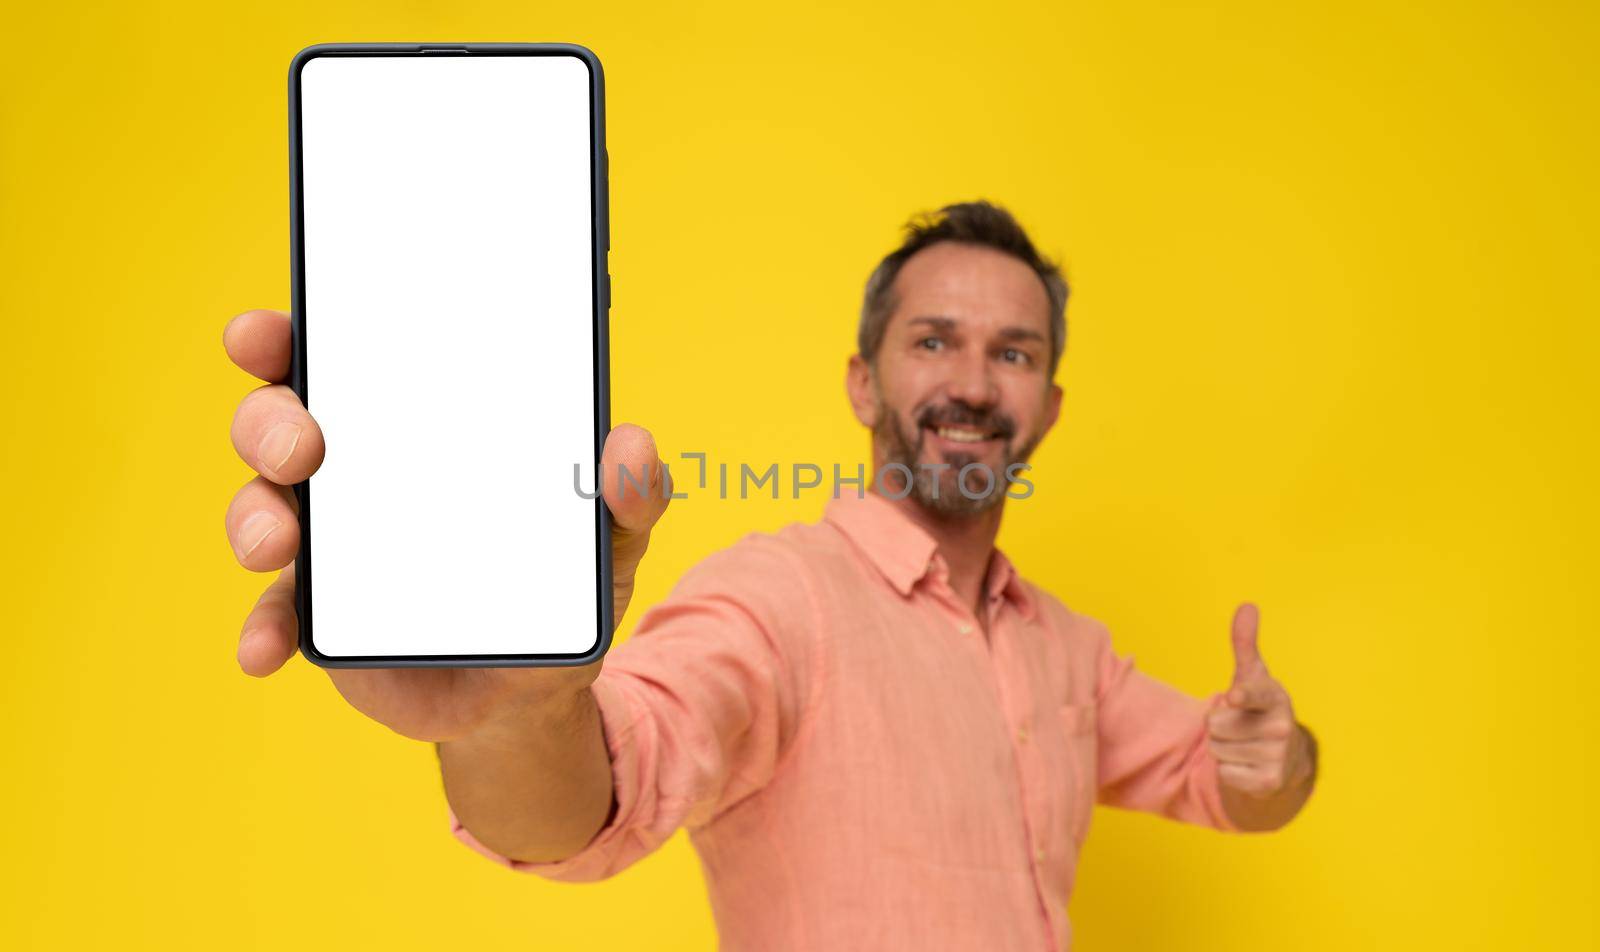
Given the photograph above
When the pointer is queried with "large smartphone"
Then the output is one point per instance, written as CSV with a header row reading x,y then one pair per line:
x,y
449,233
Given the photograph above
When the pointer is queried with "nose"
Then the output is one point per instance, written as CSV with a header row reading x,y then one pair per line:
x,y
973,382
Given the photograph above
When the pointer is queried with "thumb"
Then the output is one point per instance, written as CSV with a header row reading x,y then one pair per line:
x,y
634,486
1246,656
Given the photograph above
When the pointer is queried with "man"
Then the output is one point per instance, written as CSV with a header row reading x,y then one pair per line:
x,y
877,733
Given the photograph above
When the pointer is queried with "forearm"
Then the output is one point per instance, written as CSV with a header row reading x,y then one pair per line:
x,y
1256,813
534,786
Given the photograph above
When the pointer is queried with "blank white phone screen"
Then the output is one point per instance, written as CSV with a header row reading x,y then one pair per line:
x,y
449,316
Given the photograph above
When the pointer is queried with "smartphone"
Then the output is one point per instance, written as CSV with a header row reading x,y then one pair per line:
x,y
449,234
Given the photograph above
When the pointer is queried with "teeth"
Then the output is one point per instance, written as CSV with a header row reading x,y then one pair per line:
x,y
962,435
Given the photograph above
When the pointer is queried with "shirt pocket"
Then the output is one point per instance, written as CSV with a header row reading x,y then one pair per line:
x,y
1078,723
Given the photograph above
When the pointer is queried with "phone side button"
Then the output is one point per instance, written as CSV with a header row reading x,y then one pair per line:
x,y
608,290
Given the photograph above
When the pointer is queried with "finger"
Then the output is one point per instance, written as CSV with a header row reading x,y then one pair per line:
x,y
259,342
1255,779
1255,693
272,630
1233,724
262,526
1249,751
1246,657
274,434
633,484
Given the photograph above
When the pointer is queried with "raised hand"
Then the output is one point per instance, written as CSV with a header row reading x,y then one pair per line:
x,y
1260,748
274,434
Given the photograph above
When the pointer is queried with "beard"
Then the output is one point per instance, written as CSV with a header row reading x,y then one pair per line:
x,y
939,491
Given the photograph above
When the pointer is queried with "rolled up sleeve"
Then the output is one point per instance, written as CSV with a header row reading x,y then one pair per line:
x,y
699,705
1153,754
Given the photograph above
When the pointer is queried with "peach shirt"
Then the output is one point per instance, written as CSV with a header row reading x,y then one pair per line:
x,y
858,766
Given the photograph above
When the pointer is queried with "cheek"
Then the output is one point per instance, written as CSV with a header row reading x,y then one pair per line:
x,y
901,397
1027,411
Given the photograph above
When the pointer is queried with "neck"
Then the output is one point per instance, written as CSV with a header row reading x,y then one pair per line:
x,y
965,542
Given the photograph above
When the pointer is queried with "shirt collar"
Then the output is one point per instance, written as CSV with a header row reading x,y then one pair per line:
x,y
904,552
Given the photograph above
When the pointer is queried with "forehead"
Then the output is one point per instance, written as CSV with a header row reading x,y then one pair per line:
x,y
977,286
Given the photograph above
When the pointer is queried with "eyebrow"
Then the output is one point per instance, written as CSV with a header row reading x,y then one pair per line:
x,y
1021,333
942,323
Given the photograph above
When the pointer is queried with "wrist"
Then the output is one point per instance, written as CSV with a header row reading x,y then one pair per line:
x,y
511,723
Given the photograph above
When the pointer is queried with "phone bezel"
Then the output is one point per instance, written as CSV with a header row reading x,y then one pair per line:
x,y
600,234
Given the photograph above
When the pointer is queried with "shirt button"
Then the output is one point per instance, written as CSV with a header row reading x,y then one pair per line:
x,y
966,629
1022,734
1038,855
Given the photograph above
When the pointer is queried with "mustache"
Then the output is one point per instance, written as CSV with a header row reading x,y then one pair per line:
x,y
960,414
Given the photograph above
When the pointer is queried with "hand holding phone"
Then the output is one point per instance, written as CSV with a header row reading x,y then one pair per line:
x,y
274,434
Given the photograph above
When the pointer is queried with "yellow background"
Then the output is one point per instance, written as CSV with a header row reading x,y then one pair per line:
x,y
1332,349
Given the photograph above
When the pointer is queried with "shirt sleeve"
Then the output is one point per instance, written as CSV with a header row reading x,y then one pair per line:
x,y
699,706
1153,754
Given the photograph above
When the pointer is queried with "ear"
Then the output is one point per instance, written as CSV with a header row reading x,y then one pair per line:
x,y
858,385
1052,407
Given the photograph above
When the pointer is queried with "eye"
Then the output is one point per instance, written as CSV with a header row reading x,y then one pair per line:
x,y
930,343
1013,356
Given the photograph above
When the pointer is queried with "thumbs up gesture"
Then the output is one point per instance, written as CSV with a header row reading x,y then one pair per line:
x,y
1261,750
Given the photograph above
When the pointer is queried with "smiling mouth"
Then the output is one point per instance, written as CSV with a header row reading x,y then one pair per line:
x,y
964,434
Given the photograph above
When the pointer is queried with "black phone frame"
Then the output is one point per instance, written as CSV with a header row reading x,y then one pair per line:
x,y
601,295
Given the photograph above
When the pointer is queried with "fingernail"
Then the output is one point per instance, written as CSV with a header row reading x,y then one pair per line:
x,y
255,531
278,445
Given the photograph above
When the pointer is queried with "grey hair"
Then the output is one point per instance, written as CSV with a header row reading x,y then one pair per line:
x,y
976,223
